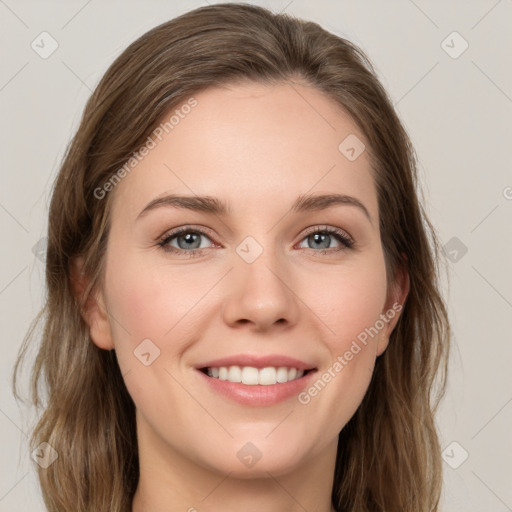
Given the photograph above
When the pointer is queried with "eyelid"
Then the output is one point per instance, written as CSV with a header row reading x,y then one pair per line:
x,y
165,238
185,229
329,229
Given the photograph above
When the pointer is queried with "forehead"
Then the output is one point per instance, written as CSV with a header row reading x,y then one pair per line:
x,y
249,142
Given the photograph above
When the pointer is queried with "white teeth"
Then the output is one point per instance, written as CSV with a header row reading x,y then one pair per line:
x,y
267,376
251,376
282,374
235,374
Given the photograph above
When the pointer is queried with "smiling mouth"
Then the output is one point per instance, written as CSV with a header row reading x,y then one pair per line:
x,y
251,376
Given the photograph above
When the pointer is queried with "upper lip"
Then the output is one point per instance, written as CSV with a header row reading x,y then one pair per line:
x,y
256,361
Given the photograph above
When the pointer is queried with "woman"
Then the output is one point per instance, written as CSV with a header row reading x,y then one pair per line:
x,y
243,308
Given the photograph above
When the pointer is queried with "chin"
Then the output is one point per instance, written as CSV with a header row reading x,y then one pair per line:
x,y
260,470
248,461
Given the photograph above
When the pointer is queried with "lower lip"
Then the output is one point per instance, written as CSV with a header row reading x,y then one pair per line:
x,y
258,395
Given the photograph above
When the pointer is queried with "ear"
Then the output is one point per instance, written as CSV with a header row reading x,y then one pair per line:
x,y
395,301
93,308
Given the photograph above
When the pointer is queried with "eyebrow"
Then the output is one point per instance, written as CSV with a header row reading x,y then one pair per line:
x,y
215,206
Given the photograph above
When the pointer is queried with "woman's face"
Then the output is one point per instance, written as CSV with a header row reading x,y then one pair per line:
x,y
247,285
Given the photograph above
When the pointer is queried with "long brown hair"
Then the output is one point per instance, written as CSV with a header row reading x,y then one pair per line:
x,y
388,454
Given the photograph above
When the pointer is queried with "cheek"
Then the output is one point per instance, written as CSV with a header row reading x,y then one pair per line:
x,y
348,300
150,301
151,308
349,303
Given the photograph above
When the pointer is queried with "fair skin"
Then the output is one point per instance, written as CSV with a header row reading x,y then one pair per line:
x,y
257,148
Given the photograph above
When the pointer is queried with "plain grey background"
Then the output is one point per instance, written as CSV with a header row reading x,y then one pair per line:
x,y
456,103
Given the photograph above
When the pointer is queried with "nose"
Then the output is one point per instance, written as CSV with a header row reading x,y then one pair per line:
x,y
261,294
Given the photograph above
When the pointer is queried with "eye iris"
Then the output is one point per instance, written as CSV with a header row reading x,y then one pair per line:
x,y
190,239
322,237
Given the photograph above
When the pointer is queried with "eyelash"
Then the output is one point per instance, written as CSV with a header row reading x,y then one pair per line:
x,y
340,235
